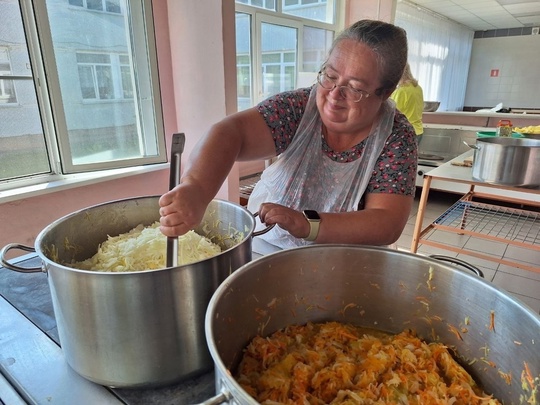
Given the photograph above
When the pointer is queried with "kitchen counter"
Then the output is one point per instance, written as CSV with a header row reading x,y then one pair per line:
x,y
32,366
484,120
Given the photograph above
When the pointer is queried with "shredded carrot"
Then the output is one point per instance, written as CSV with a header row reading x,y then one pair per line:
x,y
455,331
272,304
506,377
348,335
260,313
489,363
492,321
351,305
528,375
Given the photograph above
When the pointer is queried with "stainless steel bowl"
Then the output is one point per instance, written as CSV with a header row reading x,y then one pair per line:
x,y
142,328
431,106
531,136
379,288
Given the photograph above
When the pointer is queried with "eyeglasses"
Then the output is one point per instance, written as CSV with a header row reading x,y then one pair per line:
x,y
347,92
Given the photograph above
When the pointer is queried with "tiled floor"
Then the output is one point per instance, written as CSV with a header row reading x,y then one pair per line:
x,y
523,284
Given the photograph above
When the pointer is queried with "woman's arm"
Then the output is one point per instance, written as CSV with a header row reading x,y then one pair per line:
x,y
381,222
241,136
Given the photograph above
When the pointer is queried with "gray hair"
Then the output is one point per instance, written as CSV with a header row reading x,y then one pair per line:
x,y
388,41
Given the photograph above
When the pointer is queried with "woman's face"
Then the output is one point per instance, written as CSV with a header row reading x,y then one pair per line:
x,y
350,64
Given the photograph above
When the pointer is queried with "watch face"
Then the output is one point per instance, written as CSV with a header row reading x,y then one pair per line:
x,y
312,214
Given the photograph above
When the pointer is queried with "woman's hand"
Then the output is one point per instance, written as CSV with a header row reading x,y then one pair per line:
x,y
182,209
288,219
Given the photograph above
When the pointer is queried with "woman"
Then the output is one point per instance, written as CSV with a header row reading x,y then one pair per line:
x,y
346,155
409,99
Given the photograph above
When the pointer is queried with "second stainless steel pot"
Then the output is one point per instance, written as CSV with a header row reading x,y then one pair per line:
x,y
507,161
495,335
136,329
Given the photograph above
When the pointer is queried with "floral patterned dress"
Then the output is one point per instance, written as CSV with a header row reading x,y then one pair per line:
x,y
395,170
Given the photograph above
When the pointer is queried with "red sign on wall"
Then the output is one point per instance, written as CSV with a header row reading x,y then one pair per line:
x,y
494,73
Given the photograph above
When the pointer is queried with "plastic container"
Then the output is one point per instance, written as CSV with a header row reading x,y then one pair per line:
x,y
504,128
486,134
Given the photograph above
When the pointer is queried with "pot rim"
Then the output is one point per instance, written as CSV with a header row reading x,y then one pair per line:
x,y
510,142
49,262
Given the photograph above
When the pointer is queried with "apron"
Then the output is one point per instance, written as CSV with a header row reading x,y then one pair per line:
x,y
304,177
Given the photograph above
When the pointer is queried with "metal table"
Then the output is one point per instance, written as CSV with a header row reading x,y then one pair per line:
x,y
492,221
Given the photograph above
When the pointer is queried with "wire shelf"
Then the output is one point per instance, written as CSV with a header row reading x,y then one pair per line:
x,y
493,221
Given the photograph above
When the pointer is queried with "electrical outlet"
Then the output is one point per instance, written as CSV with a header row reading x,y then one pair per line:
x,y
535,30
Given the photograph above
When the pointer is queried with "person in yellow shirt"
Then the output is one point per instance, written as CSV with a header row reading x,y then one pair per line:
x,y
409,99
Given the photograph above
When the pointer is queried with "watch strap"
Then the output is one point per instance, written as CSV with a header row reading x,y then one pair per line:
x,y
314,225
313,230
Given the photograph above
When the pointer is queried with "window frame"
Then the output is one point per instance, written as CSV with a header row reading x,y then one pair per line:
x,y
260,15
49,98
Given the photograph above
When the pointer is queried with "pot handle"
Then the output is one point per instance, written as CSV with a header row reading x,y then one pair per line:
x,y
263,231
459,262
470,145
13,267
221,398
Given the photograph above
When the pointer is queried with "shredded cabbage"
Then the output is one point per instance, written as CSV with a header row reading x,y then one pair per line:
x,y
145,248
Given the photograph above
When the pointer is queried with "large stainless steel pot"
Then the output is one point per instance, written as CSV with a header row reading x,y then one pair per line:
x,y
135,329
379,288
507,161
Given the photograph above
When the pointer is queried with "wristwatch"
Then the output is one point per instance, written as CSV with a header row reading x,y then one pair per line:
x,y
314,221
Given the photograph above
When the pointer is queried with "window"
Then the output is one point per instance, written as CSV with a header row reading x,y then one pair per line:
x,y
439,55
82,95
7,89
244,76
104,77
278,58
318,10
281,45
267,4
111,6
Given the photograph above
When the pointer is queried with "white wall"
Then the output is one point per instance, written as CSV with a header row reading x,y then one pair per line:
x,y
517,60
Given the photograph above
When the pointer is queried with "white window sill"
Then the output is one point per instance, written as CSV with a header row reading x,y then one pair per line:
x,y
66,182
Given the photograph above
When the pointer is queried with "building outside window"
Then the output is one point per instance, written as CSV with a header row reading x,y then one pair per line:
x,y
111,6
84,93
7,89
104,77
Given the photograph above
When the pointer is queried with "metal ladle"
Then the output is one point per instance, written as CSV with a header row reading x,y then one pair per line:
x,y
177,147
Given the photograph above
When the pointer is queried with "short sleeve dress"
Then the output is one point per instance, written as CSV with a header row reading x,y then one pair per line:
x,y
395,169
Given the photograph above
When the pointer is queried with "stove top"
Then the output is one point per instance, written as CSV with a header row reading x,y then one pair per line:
x,y
433,158
427,156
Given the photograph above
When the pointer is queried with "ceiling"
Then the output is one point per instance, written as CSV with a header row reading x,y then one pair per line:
x,y
481,15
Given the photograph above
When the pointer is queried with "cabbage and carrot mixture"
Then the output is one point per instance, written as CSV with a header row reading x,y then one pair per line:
x,y
145,248
335,363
